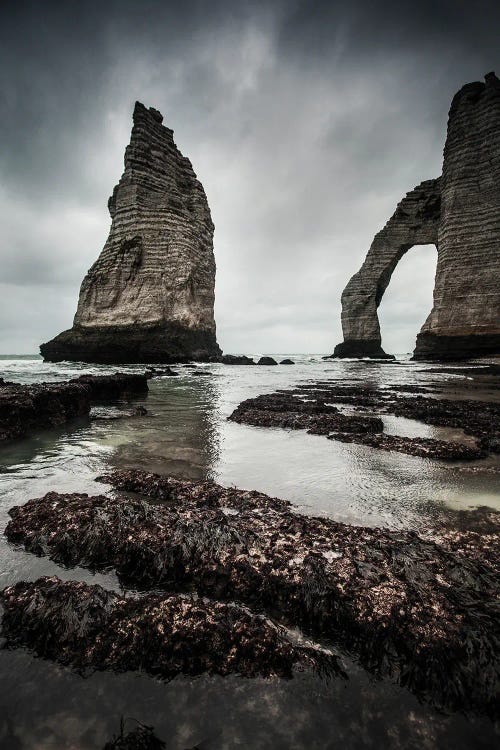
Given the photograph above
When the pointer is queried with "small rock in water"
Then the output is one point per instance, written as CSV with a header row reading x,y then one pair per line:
x,y
267,361
236,359
167,372
287,362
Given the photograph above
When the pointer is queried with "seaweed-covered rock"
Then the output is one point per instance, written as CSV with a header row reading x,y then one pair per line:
x,y
118,385
141,737
314,407
24,409
414,608
90,628
27,408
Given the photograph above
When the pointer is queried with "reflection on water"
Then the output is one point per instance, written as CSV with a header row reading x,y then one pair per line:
x,y
186,433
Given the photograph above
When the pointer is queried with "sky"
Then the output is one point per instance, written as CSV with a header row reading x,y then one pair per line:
x,y
305,121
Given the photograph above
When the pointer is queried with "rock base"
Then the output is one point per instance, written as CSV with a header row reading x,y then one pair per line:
x,y
165,343
360,348
455,348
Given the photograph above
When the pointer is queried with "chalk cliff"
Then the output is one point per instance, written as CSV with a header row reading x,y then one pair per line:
x,y
460,214
149,297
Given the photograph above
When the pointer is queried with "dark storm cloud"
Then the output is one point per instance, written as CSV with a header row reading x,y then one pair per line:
x,y
305,121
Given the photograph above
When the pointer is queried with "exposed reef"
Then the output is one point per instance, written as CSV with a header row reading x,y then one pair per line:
x,y
88,627
316,408
422,611
27,408
149,297
459,213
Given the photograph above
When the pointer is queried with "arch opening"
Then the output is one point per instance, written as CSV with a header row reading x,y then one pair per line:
x,y
407,300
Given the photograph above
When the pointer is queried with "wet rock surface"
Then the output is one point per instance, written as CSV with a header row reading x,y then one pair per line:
x,y
419,609
267,361
315,407
88,627
27,408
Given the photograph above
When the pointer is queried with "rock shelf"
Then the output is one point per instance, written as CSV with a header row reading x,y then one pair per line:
x,y
422,611
315,408
27,408
88,627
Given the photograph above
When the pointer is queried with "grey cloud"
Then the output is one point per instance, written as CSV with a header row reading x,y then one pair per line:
x,y
306,123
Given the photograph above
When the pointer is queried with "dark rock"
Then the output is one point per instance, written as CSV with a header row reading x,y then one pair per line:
x,y
167,343
27,408
141,737
282,410
287,362
312,407
118,385
459,213
236,359
416,446
166,372
149,297
90,628
421,610
267,361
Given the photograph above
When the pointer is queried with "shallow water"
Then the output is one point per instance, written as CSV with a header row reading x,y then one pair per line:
x,y
186,433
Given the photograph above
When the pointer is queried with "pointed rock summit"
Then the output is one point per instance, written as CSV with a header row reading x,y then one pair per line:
x,y
149,297
460,214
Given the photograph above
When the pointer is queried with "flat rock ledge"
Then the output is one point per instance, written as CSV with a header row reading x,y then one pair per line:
x,y
316,407
422,611
27,408
90,628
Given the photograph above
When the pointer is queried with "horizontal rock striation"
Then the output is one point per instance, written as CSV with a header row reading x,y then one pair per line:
x,y
415,222
88,627
27,408
421,611
150,295
460,214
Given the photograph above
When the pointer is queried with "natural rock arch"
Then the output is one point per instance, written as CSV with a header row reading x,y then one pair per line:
x,y
460,214
414,222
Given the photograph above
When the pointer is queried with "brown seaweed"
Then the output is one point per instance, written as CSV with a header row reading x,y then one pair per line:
x,y
90,628
423,611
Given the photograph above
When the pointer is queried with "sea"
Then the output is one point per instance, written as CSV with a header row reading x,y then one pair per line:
x,y
186,433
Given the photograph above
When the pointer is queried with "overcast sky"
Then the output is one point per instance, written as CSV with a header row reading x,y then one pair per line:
x,y
305,121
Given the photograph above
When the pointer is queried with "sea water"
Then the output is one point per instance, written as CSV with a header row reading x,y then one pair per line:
x,y
186,433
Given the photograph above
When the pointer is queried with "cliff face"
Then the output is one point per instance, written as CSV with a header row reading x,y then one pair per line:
x,y
149,297
460,214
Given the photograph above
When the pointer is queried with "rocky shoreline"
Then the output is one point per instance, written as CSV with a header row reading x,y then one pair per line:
x,y
317,408
419,610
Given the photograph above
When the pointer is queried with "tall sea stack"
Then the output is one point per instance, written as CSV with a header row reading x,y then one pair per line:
x,y
149,297
460,214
